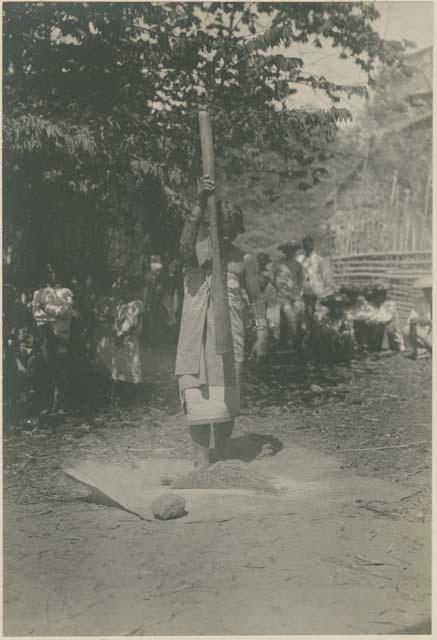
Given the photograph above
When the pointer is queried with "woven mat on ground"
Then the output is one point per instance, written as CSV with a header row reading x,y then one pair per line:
x,y
133,488
304,479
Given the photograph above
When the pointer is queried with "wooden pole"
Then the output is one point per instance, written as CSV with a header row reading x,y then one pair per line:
x,y
405,224
335,195
363,189
219,300
393,188
363,200
425,232
427,191
391,216
407,219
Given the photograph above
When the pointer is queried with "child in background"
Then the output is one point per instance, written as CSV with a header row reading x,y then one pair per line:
x,y
127,361
334,330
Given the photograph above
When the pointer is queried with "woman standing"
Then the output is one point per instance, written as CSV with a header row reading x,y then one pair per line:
x,y
209,383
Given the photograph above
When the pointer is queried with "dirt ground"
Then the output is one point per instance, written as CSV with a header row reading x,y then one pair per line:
x,y
352,555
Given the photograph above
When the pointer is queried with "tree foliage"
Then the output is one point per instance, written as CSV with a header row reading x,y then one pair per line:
x,y
102,98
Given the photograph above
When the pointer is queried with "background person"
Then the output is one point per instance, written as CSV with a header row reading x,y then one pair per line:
x,y
268,289
418,328
18,350
383,321
82,378
152,298
360,310
106,301
288,277
334,330
317,279
127,361
170,298
52,308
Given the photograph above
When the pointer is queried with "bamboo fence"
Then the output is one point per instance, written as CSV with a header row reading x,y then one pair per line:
x,y
399,268
381,234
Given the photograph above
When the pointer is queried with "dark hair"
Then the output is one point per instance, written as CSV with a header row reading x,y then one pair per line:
x,y
233,214
59,268
308,239
263,259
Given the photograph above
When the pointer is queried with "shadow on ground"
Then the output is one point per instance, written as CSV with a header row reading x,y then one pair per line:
x,y
253,445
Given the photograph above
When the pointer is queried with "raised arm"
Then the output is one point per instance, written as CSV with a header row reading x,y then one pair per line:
x,y
205,187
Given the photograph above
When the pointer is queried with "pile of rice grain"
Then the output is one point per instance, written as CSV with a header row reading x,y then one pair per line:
x,y
229,474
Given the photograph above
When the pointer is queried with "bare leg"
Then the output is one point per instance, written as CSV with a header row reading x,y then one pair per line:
x,y
394,335
200,437
290,317
283,329
222,435
294,325
420,342
413,339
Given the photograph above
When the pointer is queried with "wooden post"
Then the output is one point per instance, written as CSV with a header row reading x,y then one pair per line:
x,y
405,224
365,235
391,217
407,217
363,188
427,191
219,301
349,237
425,231
335,194
394,184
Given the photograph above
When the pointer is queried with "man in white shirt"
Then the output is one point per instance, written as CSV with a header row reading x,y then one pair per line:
x,y
317,279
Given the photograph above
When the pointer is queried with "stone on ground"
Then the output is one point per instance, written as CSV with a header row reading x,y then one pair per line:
x,y
168,507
